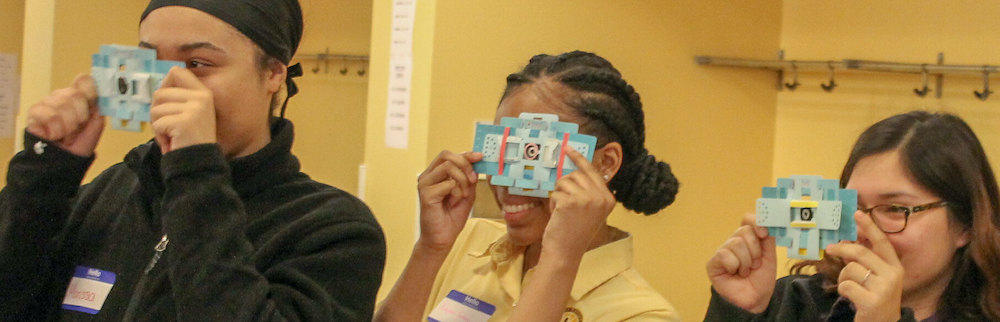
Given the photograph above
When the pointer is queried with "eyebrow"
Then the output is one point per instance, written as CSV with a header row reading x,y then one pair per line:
x,y
892,195
896,194
188,47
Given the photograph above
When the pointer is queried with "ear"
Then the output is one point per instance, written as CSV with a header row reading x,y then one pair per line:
x,y
275,75
963,239
608,159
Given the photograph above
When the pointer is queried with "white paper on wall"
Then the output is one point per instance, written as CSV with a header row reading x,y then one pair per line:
x,y
397,118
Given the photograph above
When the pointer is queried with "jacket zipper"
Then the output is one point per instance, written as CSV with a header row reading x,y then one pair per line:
x,y
141,286
159,248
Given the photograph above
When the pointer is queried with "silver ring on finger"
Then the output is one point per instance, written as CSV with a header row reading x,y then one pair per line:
x,y
865,279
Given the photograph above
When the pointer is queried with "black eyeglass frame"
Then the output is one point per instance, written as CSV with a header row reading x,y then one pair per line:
x,y
907,211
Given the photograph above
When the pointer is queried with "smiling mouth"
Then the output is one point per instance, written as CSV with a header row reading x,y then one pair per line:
x,y
510,209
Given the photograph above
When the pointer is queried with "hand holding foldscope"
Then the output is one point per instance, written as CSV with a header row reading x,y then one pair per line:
x,y
126,78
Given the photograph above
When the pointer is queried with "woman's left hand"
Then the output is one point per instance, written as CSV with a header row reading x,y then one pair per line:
x,y
872,278
182,112
580,206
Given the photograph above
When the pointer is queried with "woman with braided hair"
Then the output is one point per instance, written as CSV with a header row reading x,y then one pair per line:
x,y
554,257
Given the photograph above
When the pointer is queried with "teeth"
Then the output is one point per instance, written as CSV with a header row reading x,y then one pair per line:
x,y
519,208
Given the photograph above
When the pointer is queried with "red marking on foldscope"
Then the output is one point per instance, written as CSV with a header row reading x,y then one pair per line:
x,y
503,149
562,155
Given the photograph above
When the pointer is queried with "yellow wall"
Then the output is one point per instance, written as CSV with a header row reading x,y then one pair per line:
x,y
826,124
715,127
392,173
12,23
329,111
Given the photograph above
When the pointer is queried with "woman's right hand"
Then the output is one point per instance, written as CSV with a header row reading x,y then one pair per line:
x,y
447,191
69,117
743,269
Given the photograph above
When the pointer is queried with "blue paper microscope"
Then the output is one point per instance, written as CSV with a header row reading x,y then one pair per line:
x,y
807,213
126,78
528,153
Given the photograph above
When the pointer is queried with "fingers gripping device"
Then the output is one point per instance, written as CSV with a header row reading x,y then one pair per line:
x,y
126,78
528,153
807,213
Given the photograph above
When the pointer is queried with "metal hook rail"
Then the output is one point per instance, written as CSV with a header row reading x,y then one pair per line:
x,y
937,70
326,57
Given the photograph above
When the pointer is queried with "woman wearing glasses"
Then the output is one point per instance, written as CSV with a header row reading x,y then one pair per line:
x,y
928,244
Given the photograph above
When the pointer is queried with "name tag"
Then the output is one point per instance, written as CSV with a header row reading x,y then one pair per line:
x,y
88,289
460,307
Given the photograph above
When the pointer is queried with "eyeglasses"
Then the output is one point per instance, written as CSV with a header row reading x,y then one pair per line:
x,y
893,218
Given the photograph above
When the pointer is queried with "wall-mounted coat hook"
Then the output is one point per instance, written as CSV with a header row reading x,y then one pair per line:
x,y
923,77
795,78
986,85
325,56
828,87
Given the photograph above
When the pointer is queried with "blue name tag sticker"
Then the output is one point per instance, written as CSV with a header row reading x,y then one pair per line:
x,y
88,289
460,307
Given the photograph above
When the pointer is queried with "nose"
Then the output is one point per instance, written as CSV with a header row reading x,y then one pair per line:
x,y
858,214
862,238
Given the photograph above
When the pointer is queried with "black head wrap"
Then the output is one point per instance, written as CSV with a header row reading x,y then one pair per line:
x,y
274,25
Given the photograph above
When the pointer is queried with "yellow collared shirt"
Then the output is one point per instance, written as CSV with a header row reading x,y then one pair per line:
x,y
485,265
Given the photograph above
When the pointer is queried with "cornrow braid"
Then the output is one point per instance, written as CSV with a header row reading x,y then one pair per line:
x,y
613,111
610,86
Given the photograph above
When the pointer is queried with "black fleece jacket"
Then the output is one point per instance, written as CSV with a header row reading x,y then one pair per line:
x,y
796,298
250,239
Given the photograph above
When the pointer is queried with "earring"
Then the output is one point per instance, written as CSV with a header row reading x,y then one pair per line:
x,y
606,178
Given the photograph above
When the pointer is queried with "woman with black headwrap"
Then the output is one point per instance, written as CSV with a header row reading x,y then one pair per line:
x,y
211,220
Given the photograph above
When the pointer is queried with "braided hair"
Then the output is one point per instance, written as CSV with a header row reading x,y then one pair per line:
x,y
613,113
